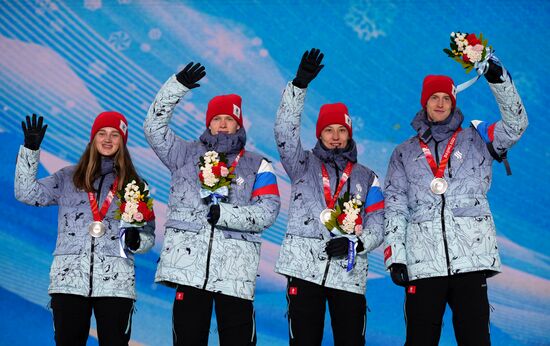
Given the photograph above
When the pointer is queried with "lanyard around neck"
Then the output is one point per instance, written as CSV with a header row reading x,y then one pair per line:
x,y
326,184
99,215
438,171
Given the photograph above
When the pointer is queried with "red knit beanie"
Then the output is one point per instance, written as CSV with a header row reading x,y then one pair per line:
x,y
333,113
225,104
433,84
110,119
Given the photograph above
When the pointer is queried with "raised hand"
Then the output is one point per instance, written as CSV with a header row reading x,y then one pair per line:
x,y
495,73
34,132
191,74
309,68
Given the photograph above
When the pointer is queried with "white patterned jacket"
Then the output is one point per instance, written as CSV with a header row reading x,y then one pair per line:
x,y
82,265
223,259
439,235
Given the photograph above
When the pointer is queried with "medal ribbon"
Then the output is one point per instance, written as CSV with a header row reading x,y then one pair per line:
x,y
351,255
100,214
236,161
217,197
439,171
326,183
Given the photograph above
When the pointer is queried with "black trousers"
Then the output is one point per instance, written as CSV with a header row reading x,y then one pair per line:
x,y
425,302
192,312
306,314
72,313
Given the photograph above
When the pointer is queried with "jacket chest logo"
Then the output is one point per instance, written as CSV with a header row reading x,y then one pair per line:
x,y
239,181
458,155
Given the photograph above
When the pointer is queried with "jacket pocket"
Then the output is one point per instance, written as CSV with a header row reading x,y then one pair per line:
x,y
422,216
180,248
470,205
422,242
470,211
310,228
66,272
69,243
239,262
118,269
477,234
247,236
183,225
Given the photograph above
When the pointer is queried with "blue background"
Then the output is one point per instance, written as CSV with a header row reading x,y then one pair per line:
x,y
71,60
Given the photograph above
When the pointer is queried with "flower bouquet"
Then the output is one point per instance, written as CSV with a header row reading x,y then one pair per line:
x,y
135,205
345,220
215,176
135,209
468,50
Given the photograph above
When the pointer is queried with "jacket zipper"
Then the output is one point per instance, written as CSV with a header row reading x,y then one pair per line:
x,y
208,257
326,271
443,221
93,242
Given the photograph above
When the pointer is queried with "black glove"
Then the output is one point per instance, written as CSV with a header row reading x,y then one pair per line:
x,y
337,246
191,74
310,66
34,132
360,246
131,238
494,72
214,214
399,274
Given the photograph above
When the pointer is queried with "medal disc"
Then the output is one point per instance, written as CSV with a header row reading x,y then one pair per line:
x,y
439,186
96,229
325,215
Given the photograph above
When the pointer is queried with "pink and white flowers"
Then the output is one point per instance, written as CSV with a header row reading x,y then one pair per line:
x,y
350,220
214,172
346,218
135,205
468,49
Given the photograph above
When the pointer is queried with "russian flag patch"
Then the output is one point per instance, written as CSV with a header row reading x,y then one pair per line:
x,y
375,198
266,181
486,131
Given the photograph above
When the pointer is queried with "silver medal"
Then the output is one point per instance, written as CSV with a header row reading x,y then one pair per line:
x,y
325,215
439,186
96,229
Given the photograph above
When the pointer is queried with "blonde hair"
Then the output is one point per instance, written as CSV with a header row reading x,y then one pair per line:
x,y
88,168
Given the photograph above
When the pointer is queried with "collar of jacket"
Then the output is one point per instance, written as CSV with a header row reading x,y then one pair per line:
x,y
340,157
224,143
107,165
439,131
